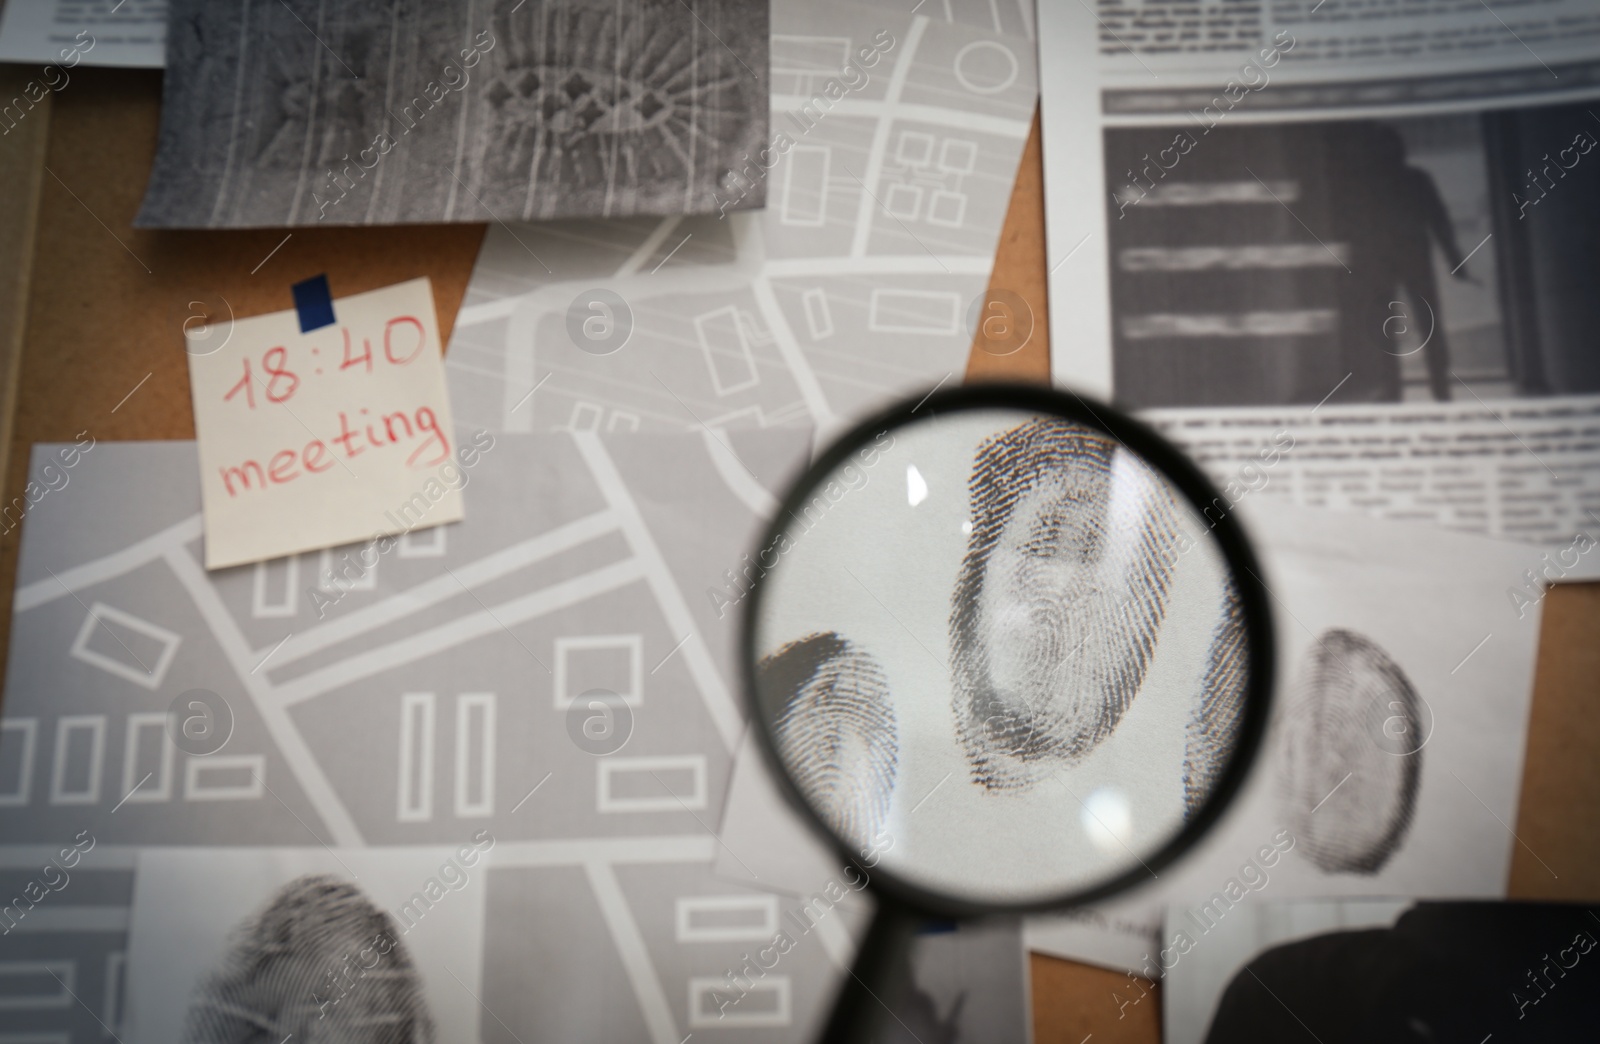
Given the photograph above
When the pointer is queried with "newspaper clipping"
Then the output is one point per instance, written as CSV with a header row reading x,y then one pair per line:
x,y
1356,236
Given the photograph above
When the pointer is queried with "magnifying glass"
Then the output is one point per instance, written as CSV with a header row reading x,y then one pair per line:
x,y
1008,651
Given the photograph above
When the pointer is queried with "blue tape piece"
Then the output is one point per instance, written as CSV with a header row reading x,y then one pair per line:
x,y
314,303
932,927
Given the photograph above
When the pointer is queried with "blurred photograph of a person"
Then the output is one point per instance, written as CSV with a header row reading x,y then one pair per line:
x,y
1391,216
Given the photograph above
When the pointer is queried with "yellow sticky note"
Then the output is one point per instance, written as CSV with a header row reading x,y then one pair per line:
x,y
324,438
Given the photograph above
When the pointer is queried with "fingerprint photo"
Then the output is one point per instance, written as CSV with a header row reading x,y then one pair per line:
x,y
835,730
1213,732
1059,598
1352,765
319,962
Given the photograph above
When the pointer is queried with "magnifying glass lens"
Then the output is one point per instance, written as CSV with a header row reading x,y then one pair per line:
x,y
1001,654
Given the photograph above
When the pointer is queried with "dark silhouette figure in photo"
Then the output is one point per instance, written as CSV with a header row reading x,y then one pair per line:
x,y
1465,971
1390,215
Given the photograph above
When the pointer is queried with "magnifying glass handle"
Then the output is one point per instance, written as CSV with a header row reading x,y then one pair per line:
x,y
878,980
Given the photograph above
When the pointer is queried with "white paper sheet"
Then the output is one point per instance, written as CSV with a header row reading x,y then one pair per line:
x,y
311,440
1311,223
104,32
1439,604
1190,209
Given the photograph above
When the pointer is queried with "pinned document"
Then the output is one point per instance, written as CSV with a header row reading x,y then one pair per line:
x,y
311,440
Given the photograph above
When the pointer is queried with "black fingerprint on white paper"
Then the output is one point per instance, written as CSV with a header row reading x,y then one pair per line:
x,y
319,962
1059,599
1351,768
835,730
1213,731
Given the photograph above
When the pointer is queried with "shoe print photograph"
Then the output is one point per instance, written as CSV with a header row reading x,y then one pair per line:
x,y
998,653
303,113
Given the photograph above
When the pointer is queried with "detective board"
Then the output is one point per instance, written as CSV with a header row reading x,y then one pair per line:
x,y
103,354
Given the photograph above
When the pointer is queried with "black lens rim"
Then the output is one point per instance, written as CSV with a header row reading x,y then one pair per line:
x,y
1202,495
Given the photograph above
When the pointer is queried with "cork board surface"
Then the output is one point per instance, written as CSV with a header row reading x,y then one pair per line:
x,y
102,353
102,344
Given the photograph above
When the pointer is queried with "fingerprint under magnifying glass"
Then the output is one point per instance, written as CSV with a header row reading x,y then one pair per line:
x,y
836,730
1060,597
